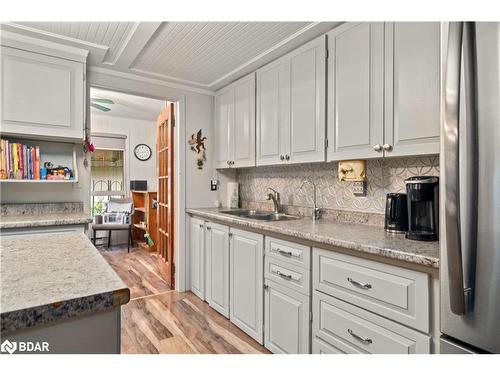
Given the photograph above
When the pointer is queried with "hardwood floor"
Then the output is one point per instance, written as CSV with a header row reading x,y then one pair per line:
x,y
138,269
160,320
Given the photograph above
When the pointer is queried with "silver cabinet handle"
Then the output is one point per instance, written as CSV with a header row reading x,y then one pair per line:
x,y
358,284
228,163
282,157
285,253
360,338
209,228
387,147
283,275
287,157
377,148
201,225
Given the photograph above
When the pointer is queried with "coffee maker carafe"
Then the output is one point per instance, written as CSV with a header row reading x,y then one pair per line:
x,y
423,208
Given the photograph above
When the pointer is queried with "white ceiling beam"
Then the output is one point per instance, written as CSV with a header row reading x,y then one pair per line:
x,y
133,45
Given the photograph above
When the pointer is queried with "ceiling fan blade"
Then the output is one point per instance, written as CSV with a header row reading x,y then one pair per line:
x,y
104,101
100,107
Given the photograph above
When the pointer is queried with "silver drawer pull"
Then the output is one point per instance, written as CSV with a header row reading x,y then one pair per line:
x,y
283,252
358,337
358,284
284,275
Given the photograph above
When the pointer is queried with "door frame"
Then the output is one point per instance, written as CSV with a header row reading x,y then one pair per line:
x,y
134,85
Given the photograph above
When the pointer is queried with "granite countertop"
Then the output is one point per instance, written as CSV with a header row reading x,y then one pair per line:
x,y
43,220
364,238
47,278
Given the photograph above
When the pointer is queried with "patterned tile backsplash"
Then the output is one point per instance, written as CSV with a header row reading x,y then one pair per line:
x,y
383,176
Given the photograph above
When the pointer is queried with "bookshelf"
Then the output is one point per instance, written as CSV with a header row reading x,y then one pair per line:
x,y
144,213
59,153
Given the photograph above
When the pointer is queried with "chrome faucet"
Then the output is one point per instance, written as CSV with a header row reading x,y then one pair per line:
x,y
316,214
276,200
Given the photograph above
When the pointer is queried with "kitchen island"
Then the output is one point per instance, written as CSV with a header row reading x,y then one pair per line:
x,y
57,288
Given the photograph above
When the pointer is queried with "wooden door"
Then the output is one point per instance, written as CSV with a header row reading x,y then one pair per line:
x,y
217,267
287,325
413,87
197,256
165,221
247,282
356,91
307,102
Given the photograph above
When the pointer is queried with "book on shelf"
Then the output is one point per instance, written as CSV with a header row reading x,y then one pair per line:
x,y
19,161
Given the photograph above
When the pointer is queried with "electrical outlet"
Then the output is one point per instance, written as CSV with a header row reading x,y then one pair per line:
x,y
359,188
214,184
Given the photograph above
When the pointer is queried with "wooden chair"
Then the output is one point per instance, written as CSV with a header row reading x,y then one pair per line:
x,y
125,205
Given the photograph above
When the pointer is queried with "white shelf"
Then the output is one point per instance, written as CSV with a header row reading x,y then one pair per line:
x,y
40,181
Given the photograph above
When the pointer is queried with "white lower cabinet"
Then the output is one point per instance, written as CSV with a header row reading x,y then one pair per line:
x,y
217,267
338,322
197,256
286,317
247,282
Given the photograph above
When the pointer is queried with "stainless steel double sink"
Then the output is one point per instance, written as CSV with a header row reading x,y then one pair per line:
x,y
260,215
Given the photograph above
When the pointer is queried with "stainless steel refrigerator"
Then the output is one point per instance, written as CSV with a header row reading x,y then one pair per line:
x,y
470,236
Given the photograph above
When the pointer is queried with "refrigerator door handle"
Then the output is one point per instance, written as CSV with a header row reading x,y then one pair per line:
x,y
460,275
472,164
452,183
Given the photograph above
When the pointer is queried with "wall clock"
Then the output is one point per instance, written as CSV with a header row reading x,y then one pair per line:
x,y
142,152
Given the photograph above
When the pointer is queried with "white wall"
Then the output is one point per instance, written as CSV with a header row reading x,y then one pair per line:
x,y
137,131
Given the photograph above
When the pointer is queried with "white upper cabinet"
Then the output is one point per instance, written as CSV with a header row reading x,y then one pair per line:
x,y
384,89
413,86
356,91
291,107
43,95
273,117
235,124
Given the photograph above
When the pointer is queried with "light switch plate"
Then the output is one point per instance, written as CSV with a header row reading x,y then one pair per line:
x,y
359,188
214,184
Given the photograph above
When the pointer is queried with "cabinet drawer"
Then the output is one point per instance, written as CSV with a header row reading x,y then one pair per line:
x,y
322,347
335,320
293,253
396,293
288,275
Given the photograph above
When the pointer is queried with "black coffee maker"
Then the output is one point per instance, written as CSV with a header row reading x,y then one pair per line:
x,y
423,208
396,213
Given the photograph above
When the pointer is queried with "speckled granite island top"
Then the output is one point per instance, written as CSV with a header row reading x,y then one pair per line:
x,y
46,278
368,239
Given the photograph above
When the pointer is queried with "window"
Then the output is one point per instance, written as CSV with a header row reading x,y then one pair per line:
x,y
107,169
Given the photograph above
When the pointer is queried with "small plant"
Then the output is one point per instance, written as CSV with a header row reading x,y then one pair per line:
x,y
98,208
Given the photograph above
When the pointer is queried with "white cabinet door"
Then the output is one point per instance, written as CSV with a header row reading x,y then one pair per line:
x,y
42,96
217,266
242,141
413,86
247,282
273,112
356,91
287,325
197,256
307,102
223,124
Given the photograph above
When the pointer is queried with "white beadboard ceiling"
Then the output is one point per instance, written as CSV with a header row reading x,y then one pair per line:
x,y
198,55
129,106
